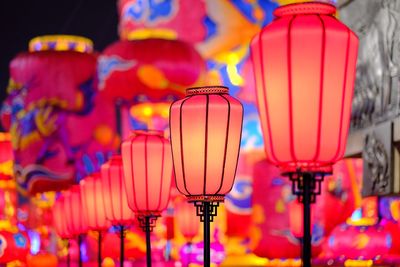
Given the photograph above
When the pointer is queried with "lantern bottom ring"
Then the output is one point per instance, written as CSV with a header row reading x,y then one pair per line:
x,y
205,198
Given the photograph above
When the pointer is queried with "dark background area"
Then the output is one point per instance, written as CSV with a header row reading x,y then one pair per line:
x,y
21,20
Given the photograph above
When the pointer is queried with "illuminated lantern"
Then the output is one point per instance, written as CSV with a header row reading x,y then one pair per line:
x,y
147,165
304,65
59,220
115,198
187,221
74,213
6,157
94,207
205,134
114,192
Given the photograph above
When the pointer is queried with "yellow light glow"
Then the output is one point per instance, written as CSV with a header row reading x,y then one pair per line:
x,y
358,263
61,43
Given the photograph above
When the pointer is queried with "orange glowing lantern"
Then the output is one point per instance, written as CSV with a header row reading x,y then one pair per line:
x,y
94,203
304,65
115,198
74,213
206,129
59,220
205,134
147,165
114,192
187,220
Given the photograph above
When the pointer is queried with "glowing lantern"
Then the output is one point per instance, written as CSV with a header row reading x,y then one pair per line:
x,y
115,198
59,220
147,165
205,132
74,213
114,192
304,65
94,203
187,221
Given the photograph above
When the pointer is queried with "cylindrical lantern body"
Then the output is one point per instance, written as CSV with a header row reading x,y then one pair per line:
x,y
205,134
187,220
74,213
114,192
304,66
93,202
147,166
59,218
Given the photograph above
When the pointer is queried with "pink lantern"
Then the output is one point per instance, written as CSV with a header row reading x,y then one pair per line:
x,y
147,165
187,220
59,219
74,213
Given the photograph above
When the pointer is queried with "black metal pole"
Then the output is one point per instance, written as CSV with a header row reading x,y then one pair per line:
x,y
68,255
206,213
148,244
79,250
99,248
122,246
306,253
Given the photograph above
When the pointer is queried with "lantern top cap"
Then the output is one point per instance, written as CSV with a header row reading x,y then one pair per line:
x,y
205,90
305,8
147,132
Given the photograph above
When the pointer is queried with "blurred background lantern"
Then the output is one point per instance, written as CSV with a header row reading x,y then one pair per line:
x,y
75,215
115,197
187,220
48,100
206,149
304,66
94,207
147,166
60,224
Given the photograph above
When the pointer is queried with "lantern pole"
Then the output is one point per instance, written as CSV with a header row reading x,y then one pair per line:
x,y
206,210
99,248
79,250
122,255
68,255
147,223
306,186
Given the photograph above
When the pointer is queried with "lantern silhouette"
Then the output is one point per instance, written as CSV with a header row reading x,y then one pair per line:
x,y
75,216
147,163
187,221
115,198
60,224
304,65
94,207
205,134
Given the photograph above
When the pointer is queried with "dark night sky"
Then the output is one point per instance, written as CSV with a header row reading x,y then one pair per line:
x,y
21,20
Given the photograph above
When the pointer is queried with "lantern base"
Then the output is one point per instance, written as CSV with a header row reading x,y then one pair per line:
x,y
147,223
306,186
206,210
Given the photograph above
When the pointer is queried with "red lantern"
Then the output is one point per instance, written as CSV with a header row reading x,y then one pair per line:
x,y
114,192
205,133
304,66
187,221
148,172
206,127
59,220
94,203
74,213
147,165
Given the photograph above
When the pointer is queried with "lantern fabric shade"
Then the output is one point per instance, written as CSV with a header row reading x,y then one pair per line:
x,y
304,65
74,213
188,222
205,134
114,192
59,218
147,163
93,202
